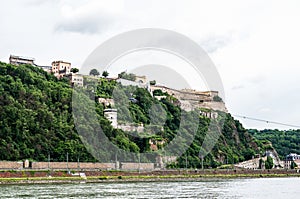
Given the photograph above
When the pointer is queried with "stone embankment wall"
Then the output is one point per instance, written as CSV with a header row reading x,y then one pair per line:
x,y
136,166
11,165
78,165
72,165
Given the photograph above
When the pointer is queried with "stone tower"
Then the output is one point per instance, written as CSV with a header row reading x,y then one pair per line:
x,y
112,116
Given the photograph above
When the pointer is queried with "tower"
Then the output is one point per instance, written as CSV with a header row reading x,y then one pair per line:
x,y
112,116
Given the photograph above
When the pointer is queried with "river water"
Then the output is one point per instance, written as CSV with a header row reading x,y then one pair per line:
x,y
206,188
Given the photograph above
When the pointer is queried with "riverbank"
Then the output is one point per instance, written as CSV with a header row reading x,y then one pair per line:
x,y
41,177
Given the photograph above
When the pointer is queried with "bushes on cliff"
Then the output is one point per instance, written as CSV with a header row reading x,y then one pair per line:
x,y
36,120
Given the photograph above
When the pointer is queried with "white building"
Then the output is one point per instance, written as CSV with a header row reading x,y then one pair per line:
x,y
292,157
75,79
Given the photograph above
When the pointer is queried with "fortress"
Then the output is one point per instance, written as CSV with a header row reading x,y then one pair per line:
x,y
190,99
208,103
187,99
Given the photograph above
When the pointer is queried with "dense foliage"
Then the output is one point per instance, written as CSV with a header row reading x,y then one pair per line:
x,y
128,76
94,72
285,142
234,145
36,120
269,163
35,116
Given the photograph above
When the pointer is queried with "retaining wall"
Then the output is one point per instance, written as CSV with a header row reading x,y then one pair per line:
x,y
11,165
137,166
72,165
76,165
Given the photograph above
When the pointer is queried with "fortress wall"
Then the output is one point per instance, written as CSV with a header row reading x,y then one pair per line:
x,y
214,106
191,99
193,96
187,94
128,127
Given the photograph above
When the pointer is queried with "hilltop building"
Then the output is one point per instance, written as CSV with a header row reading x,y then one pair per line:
x,y
19,60
63,69
75,79
60,68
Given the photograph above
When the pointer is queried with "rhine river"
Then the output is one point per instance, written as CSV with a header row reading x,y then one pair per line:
x,y
206,188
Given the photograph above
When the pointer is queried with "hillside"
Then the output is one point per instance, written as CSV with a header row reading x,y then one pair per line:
x,y
36,120
285,142
35,116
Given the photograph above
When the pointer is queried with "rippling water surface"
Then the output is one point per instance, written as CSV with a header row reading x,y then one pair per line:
x,y
207,188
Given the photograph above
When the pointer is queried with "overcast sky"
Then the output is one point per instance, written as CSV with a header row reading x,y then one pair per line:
x,y
254,44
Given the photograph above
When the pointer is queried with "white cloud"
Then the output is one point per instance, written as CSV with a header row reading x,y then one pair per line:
x,y
91,18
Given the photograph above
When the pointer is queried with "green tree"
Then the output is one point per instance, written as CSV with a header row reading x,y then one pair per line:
x,y
261,162
105,74
127,76
94,72
217,98
74,70
153,82
293,165
284,141
269,163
